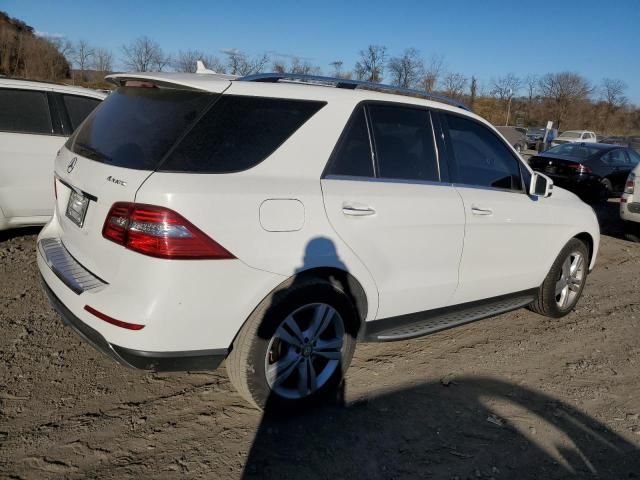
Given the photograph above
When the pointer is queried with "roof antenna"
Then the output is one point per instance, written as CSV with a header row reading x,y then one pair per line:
x,y
200,68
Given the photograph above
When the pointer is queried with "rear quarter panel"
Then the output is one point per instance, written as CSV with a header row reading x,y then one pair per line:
x,y
227,206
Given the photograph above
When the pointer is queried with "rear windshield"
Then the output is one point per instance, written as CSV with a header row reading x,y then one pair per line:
x,y
578,150
135,126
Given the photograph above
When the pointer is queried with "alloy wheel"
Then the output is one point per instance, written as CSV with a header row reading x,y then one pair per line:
x,y
570,280
305,351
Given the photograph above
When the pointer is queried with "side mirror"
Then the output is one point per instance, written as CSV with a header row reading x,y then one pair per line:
x,y
541,185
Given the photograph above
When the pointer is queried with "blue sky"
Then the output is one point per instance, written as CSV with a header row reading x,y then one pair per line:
x,y
485,38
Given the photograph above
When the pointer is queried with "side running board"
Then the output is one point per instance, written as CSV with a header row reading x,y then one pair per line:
x,y
418,324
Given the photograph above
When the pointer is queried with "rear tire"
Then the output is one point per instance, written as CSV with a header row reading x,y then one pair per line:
x,y
277,358
607,190
564,283
632,231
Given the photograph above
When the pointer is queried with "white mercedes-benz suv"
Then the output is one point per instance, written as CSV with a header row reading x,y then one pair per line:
x,y
275,220
35,120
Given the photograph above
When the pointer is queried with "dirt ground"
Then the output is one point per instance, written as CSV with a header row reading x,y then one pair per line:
x,y
517,396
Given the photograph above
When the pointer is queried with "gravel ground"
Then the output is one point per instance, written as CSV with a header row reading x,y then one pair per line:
x,y
517,396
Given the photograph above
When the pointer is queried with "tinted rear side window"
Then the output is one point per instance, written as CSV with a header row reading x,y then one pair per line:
x,y
135,126
238,133
404,143
353,156
78,108
24,111
481,158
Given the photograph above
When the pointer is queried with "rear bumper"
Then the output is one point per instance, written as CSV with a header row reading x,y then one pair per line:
x,y
158,361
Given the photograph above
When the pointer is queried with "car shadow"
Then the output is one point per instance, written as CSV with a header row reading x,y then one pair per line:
x,y
463,427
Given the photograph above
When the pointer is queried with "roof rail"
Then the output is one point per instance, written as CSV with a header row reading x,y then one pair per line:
x,y
349,84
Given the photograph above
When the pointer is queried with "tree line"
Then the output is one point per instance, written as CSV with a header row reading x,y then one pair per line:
x,y
567,98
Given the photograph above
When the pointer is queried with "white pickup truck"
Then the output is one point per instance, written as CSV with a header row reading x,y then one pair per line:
x,y
575,136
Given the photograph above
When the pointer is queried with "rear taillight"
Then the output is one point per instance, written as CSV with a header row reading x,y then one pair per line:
x,y
628,187
578,167
159,232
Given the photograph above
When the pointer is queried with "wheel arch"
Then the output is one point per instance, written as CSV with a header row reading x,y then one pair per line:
x,y
345,282
342,280
588,240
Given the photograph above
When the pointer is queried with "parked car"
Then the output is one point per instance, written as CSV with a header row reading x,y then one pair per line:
x,y
275,220
591,170
515,137
630,205
574,136
534,135
631,142
35,120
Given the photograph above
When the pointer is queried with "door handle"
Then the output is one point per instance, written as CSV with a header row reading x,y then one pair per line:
x,y
357,210
481,211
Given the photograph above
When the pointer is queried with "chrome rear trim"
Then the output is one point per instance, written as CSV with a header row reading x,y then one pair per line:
x,y
67,268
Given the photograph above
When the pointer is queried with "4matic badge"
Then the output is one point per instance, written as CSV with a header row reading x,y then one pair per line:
x,y
116,181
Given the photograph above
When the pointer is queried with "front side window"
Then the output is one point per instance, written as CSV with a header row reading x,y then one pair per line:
x,y
24,111
352,156
615,158
78,108
481,158
404,143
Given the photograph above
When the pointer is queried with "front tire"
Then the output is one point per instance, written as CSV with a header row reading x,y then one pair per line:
x,y
295,347
564,283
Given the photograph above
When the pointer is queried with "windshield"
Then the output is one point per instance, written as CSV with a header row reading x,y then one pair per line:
x,y
570,135
576,150
136,126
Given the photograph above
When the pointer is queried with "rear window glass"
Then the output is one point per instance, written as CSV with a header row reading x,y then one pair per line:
x,y
353,154
78,108
575,150
24,111
239,132
135,126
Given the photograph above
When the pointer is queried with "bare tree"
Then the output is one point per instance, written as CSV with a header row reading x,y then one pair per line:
x,y
337,67
454,84
187,61
370,67
144,55
505,88
531,83
407,69
64,47
612,91
473,92
297,66
240,64
82,55
103,60
564,89
432,73
303,67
